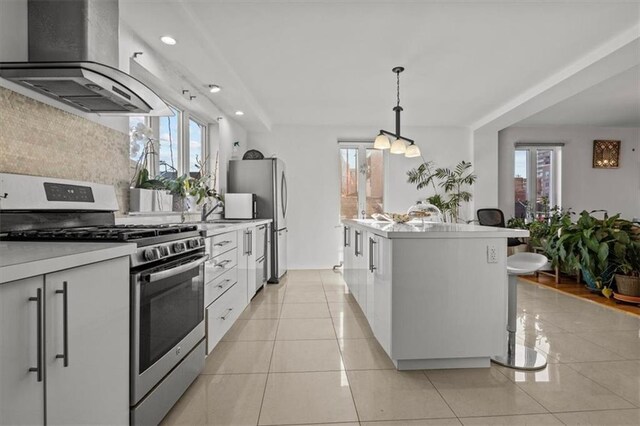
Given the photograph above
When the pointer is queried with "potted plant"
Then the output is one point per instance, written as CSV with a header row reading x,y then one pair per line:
x,y
142,186
628,276
453,182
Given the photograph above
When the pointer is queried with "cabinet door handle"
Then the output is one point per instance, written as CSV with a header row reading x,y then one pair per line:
x,y
226,314
344,237
222,264
357,249
372,267
222,243
38,368
250,238
65,324
225,281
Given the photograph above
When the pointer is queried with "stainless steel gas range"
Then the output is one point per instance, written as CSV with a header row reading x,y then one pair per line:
x,y
167,327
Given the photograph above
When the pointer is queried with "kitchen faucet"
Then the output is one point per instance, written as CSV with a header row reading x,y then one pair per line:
x,y
206,213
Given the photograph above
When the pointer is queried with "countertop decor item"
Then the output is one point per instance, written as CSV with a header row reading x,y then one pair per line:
x,y
606,154
399,145
425,212
253,154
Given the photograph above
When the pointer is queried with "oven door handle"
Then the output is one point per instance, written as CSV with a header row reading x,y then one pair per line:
x,y
157,276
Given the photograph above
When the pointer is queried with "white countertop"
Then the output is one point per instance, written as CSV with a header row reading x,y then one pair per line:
x,y
434,230
20,260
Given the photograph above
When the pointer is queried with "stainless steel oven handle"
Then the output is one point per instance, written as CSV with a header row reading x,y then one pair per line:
x,y
157,276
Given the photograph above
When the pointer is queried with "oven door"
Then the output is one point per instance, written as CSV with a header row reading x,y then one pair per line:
x,y
167,320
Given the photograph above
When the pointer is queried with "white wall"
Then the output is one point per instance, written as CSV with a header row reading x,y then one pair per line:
x,y
229,132
313,167
583,187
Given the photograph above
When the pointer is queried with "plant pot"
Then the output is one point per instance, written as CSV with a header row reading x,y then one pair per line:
x,y
141,200
628,285
162,201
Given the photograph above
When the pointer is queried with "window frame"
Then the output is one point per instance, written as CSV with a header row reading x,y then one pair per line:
x,y
555,189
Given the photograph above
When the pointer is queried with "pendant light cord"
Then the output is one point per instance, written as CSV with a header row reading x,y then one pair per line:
x,y
398,87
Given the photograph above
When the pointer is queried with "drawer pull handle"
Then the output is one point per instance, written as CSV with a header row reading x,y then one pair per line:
x,y
64,356
226,314
222,243
225,281
222,264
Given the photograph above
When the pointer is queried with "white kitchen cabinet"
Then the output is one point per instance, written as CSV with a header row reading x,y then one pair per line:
x,y
349,257
223,312
378,308
21,394
247,260
84,342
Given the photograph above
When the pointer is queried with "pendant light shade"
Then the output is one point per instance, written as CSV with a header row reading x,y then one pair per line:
x,y
398,147
412,151
382,142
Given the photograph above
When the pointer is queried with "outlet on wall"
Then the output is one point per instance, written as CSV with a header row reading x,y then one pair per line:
x,y
492,254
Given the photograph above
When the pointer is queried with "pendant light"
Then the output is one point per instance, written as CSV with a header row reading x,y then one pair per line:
x,y
399,145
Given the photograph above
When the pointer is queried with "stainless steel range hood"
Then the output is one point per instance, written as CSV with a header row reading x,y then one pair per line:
x,y
73,58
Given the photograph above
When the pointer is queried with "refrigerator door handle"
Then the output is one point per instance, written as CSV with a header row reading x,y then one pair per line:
x,y
284,196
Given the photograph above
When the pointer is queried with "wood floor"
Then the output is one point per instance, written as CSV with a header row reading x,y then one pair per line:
x,y
568,285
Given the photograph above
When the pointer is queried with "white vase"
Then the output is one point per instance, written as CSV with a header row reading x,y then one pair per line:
x,y
140,200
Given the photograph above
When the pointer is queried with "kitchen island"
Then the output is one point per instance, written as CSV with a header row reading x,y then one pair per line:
x,y
434,294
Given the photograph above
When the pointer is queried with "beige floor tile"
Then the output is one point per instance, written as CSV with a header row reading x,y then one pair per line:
x,y
530,323
592,318
305,297
423,422
305,289
232,400
305,329
396,395
602,418
531,340
252,330
331,277
322,397
527,419
305,310
306,355
352,328
552,303
339,297
567,347
482,392
261,311
364,354
328,424
620,377
304,275
560,388
270,295
345,310
624,343
239,357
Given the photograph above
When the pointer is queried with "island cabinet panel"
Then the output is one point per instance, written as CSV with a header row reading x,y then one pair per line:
x,y
429,293
448,302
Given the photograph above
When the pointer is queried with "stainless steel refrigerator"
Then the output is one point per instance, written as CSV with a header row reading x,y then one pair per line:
x,y
268,180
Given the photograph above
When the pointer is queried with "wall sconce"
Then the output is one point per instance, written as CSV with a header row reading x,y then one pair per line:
x,y
606,154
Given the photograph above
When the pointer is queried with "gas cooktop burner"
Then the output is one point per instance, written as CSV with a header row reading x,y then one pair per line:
x,y
130,233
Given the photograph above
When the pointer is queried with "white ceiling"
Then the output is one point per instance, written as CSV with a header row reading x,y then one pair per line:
x,y
613,103
329,63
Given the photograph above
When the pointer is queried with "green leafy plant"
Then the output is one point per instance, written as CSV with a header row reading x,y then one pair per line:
x,y
454,183
596,247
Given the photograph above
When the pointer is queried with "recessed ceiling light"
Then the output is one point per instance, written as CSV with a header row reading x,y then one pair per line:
x,y
168,40
214,88
239,113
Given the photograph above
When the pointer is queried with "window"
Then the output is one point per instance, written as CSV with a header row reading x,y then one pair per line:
x,y
169,144
197,133
361,181
536,179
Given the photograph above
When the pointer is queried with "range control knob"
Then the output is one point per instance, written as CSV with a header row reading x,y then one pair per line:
x,y
178,247
193,243
164,251
151,254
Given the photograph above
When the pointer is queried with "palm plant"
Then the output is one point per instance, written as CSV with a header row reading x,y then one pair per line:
x,y
453,182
